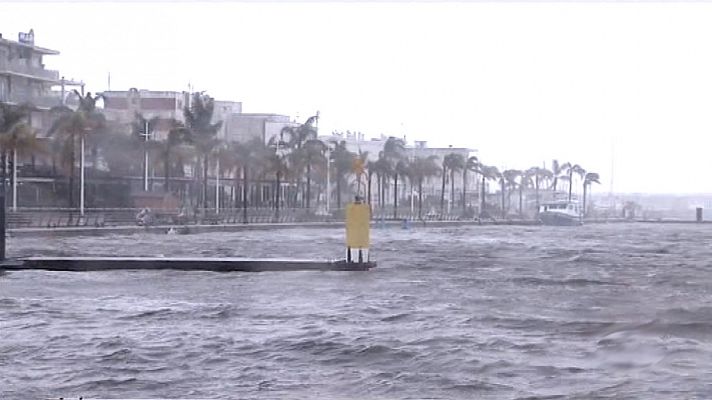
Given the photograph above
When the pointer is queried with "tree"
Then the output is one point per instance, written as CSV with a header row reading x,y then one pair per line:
x,y
394,153
70,124
277,157
487,173
17,138
556,171
295,137
309,154
570,171
471,165
343,164
508,179
177,134
452,162
202,134
382,169
400,169
525,181
589,178
421,169
538,174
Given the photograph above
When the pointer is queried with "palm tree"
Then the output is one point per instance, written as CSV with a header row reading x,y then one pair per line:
x,y
177,134
556,170
589,178
277,162
343,164
309,154
508,179
570,171
393,153
382,168
69,124
452,162
487,173
472,165
16,137
538,174
421,169
295,137
400,169
525,181
202,134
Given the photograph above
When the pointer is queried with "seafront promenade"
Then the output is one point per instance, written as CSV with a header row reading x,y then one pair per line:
x,y
65,222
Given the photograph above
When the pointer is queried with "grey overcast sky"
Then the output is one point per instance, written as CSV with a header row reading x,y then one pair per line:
x,y
521,82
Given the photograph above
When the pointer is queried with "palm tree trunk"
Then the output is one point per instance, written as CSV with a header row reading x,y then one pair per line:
x,y
442,193
420,198
338,191
520,199
504,210
464,190
584,199
571,182
71,174
484,195
395,196
244,194
452,190
378,188
308,185
205,181
536,188
370,175
167,171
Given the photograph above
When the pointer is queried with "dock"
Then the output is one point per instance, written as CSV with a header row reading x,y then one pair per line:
x,y
222,264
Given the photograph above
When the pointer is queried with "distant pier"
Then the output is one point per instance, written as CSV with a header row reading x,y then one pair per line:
x,y
228,264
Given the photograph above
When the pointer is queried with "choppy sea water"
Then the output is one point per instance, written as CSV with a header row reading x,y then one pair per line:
x,y
600,311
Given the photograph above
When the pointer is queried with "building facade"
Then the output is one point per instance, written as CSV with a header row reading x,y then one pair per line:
x,y
25,80
246,127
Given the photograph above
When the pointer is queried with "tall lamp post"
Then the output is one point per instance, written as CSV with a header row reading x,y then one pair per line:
x,y
146,135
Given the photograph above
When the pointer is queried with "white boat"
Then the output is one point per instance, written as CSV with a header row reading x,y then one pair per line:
x,y
560,213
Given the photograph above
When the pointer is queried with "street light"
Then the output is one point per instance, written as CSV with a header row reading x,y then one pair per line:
x,y
145,134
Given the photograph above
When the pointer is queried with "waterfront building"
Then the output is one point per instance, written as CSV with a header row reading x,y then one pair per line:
x,y
247,126
25,79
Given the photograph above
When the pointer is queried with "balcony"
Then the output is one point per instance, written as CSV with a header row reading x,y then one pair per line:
x,y
16,68
46,100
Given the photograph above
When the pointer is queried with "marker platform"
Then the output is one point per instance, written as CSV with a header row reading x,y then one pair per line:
x,y
228,264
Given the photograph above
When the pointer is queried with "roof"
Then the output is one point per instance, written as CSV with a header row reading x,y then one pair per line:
x,y
36,49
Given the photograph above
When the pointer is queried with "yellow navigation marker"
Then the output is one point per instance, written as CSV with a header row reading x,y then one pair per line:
x,y
358,219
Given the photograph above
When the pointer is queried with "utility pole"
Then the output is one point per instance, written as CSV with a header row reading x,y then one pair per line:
x,y
145,156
